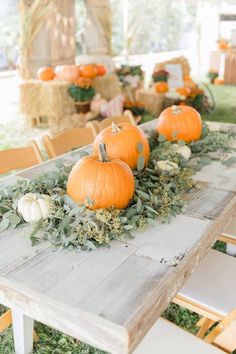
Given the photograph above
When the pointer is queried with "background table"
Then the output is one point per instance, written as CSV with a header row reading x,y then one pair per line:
x,y
110,298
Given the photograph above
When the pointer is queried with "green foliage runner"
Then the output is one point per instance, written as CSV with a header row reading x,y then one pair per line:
x,y
159,194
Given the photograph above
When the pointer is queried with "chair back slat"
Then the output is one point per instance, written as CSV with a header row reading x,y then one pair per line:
x,y
126,118
20,158
68,140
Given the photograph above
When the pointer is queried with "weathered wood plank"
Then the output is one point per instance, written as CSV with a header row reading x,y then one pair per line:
x,y
16,249
218,175
163,244
84,326
70,276
208,202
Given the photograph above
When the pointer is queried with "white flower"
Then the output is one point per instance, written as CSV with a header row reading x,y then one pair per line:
x,y
34,207
184,151
133,80
166,165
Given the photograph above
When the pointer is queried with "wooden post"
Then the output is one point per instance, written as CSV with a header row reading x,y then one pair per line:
x,y
97,31
55,42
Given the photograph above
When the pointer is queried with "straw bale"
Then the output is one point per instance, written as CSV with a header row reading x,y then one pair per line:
x,y
152,101
45,99
179,60
108,86
69,122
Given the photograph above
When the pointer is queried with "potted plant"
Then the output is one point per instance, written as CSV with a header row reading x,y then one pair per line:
x,y
82,93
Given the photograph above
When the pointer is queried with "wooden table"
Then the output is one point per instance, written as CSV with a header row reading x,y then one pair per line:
x,y
110,298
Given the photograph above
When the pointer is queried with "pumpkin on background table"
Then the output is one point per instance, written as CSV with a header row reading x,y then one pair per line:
x,y
101,183
46,73
219,81
67,73
88,71
180,123
189,83
124,141
101,70
161,87
184,91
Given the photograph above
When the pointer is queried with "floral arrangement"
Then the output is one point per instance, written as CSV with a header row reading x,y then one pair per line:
x,y
82,90
130,75
160,75
159,194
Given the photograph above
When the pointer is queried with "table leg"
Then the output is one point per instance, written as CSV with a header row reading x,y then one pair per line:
x,y
23,327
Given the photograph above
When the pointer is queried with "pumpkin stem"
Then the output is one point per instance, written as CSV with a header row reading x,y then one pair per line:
x,y
176,109
114,128
102,153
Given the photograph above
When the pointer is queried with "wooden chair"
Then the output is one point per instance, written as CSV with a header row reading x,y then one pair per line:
x,y
166,338
68,140
98,126
210,292
20,158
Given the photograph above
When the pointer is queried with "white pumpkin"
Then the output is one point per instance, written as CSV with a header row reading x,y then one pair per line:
x,y
34,207
166,165
184,151
97,104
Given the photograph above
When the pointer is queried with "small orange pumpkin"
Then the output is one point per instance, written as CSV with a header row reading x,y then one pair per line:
x,y
45,73
184,91
124,141
180,123
101,183
219,81
161,87
67,73
101,70
88,71
189,83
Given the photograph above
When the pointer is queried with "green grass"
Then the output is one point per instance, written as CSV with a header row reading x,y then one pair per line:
x,y
54,342
225,100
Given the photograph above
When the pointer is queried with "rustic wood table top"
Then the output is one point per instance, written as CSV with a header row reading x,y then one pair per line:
x,y
110,298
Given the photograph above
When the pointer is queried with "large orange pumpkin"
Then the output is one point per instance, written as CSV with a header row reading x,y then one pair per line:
x,y
180,123
67,73
88,71
161,87
45,73
124,141
101,183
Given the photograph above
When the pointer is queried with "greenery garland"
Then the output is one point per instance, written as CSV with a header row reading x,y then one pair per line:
x,y
159,195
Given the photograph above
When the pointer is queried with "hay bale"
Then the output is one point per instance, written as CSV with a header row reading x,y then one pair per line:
x,y
108,86
70,121
179,60
152,101
45,99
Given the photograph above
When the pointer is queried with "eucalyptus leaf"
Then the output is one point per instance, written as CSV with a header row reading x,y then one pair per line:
x,y
161,138
4,224
140,147
140,163
139,205
230,161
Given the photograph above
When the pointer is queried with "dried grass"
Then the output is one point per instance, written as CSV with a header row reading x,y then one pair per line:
x,y
32,18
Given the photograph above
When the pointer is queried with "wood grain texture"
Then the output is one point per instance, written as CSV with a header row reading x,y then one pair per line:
x,y
110,298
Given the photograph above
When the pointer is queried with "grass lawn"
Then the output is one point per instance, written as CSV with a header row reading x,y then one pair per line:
x,y
225,100
13,133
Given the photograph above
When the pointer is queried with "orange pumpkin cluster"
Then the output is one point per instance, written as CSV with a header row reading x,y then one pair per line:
x,y
105,179
71,73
